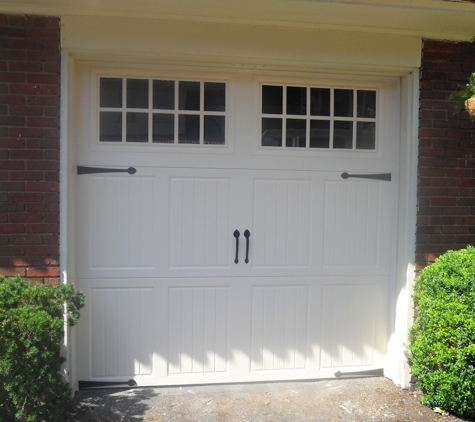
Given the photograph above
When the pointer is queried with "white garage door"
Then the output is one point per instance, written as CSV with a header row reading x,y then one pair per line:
x,y
236,251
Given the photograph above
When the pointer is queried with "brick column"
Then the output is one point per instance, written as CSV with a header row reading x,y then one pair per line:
x,y
29,147
446,182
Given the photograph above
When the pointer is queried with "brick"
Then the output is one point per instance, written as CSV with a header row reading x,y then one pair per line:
x,y
12,272
12,143
45,228
26,89
12,251
12,228
26,175
51,239
26,110
25,197
11,165
26,218
12,99
42,186
10,207
39,207
12,186
26,240
42,165
41,250
42,272
41,122
51,281
49,78
27,154
26,261
51,260
24,132
443,201
43,143
44,100
12,121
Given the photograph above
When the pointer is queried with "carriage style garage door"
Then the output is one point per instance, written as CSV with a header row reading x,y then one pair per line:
x,y
233,249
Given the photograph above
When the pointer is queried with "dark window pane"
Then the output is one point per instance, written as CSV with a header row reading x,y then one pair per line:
x,y
319,134
215,96
137,127
137,93
163,128
343,135
296,133
366,104
271,132
110,127
111,92
188,129
214,129
365,135
344,102
272,98
296,100
164,95
320,101
189,95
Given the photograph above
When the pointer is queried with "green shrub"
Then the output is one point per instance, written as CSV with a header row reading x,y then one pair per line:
x,y
441,347
31,331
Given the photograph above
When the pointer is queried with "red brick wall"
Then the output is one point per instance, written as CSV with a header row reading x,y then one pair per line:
x,y
29,147
446,181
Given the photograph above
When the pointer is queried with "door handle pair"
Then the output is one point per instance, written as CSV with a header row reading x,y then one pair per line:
x,y
247,235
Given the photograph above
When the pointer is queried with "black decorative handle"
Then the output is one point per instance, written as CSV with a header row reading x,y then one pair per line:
x,y
247,235
94,170
236,235
381,176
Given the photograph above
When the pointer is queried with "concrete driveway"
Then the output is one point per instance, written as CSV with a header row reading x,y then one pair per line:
x,y
368,399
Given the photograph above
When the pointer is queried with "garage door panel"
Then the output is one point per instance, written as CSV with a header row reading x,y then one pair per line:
x,y
199,222
117,225
120,338
279,328
281,223
349,317
355,224
199,330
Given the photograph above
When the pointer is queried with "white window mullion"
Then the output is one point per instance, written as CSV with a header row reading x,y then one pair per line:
x,y
124,105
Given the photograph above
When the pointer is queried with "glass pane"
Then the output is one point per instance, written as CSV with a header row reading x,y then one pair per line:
x,y
137,93
296,100
137,127
189,95
164,95
111,92
365,135
163,128
215,96
271,132
344,102
343,135
188,129
366,104
296,133
319,134
214,129
272,98
320,101
110,127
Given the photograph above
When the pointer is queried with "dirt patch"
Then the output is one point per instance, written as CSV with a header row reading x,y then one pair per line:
x,y
358,400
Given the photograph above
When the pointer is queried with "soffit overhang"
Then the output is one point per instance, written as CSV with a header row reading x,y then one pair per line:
x,y
435,19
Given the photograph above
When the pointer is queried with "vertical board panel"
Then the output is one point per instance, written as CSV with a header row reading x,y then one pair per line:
x,y
351,223
279,333
348,316
281,223
199,228
198,330
121,222
121,333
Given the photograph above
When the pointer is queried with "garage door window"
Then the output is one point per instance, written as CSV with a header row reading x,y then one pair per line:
x,y
313,117
156,111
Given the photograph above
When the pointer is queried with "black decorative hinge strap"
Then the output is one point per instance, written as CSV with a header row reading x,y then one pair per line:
x,y
381,176
104,384
95,170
